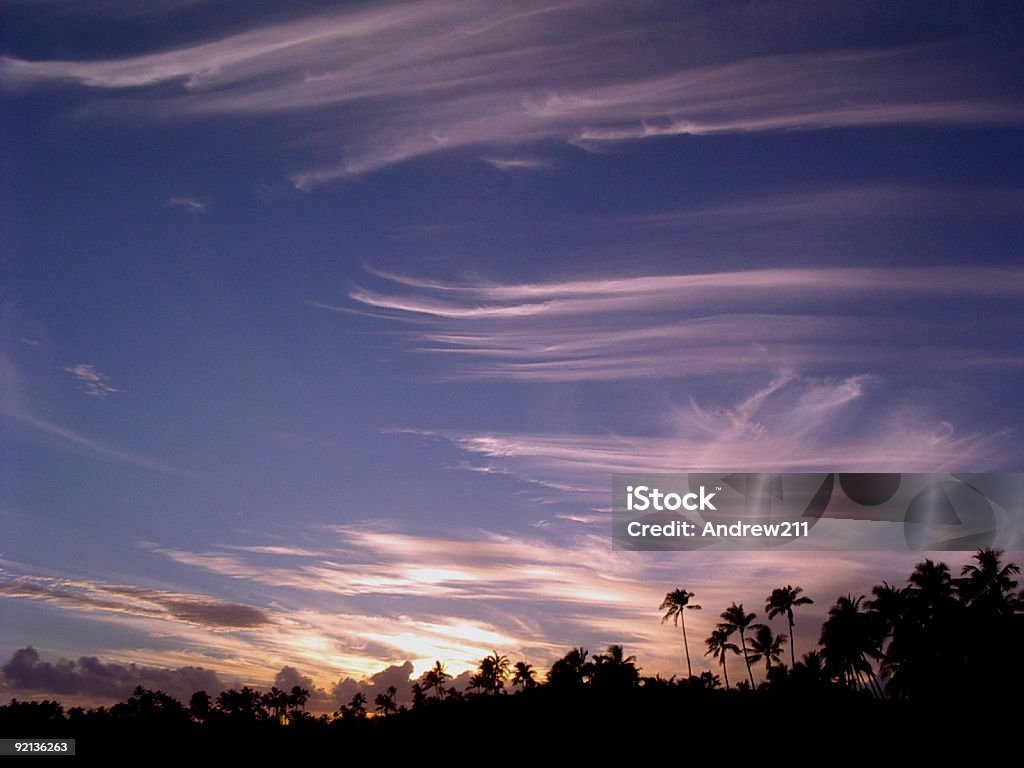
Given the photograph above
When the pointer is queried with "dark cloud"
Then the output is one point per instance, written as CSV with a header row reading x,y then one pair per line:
x,y
319,699
215,614
397,675
193,609
90,677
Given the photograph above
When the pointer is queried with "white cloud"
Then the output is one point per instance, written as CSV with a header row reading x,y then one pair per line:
x,y
517,163
93,382
190,204
794,423
693,324
379,85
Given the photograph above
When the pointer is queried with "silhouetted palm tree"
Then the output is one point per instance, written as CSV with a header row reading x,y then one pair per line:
x,y
524,675
386,702
718,646
614,670
199,705
357,705
676,603
764,645
848,642
244,705
735,619
784,600
297,698
498,665
889,605
435,678
570,671
988,584
277,702
491,674
932,589
419,696
709,680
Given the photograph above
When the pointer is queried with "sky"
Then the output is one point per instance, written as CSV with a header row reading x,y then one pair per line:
x,y
324,326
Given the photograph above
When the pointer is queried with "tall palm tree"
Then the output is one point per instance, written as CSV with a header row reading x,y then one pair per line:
x,y
784,600
764,645
524,675
499,669
735,619
718,646
676,603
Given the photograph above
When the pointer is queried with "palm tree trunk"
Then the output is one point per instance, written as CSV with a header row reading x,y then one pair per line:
x,y
746,660
725,672
792,643
689,669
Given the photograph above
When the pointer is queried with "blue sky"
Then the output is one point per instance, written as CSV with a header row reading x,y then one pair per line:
x,y
324,328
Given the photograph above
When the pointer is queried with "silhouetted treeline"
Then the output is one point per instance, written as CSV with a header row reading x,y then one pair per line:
x,y
906,652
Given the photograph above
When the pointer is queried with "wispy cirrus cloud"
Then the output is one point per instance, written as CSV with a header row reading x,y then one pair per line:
x,y
794,423
518,163
853,203
76,441
455,599
385,84
190,204
15,408
692,324
93,382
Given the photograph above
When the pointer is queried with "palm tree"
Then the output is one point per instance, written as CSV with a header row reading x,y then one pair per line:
x,y
199,705
524,676
675,603
889,605
491,674
357,706
848,641
498,665
784,600
764,645
385,702
734,619
932,589
709,680
434,679
718,645
297,698
988,584
276,701
571,671
614,670
419,696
